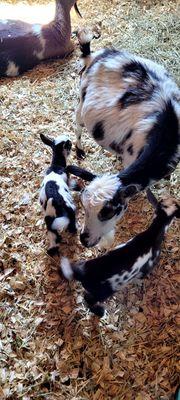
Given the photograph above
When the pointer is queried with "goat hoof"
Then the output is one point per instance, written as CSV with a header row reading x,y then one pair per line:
x,y
80,153
97,310
59,239
53,251
72,229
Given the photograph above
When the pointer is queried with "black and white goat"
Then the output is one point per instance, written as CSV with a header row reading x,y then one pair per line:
x,y
23,45
55,196
101,277
130,106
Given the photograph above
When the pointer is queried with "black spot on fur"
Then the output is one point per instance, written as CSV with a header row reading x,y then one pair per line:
x,y
119,209
129,134
176,97
130,149
53,251
85,48
139,153
116,147
135,96
80,153
142,88
101,57
83,94
107,212
136,70
98,131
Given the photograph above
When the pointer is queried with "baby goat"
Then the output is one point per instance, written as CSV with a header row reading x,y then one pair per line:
x,y
55,196
103,276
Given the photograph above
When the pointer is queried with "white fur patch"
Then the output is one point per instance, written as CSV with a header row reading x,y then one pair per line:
x,y
12,69
36,29
122,244
99,190
141,261
60,223
150,263
66,268
117,280
107,240
61,138
40,54
169,206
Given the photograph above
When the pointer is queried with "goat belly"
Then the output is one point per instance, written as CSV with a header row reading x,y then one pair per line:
x,y
20,48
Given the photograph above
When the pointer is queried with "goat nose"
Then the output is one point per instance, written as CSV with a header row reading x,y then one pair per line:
x,y
84,238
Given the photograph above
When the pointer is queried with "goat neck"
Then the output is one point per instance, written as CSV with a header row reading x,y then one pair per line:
x,y
62,21
58,162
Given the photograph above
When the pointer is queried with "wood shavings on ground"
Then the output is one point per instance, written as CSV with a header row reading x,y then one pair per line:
x,y
51,347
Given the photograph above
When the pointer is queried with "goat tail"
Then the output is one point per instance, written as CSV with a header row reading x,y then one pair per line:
x,y
72,270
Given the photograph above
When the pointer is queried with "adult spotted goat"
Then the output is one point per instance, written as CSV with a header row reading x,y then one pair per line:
x,y
130,106
24,45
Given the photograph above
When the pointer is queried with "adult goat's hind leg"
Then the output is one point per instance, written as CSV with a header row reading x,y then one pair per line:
x,y
79,128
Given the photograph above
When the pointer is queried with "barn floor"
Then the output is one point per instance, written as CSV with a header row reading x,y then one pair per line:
x,y
51,347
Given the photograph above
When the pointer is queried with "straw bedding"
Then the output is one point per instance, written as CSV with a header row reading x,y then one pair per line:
x,y
50,346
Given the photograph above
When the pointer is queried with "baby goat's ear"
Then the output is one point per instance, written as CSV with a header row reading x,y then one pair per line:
x,y
129,191
46,140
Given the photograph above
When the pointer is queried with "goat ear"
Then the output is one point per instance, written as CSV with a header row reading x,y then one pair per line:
x,y
80,172
46,140
152,199
129,191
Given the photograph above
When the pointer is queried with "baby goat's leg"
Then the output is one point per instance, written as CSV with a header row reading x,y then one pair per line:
x,y
79,125
53,235
54,239
72,224
91,302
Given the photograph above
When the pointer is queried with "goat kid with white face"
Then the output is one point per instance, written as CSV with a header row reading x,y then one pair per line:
x,y
55,196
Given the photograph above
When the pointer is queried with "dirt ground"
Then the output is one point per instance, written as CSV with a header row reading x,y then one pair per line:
x,y
51,347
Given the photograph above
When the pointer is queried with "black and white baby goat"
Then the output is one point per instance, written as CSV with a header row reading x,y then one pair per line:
x,y
103,276
55,196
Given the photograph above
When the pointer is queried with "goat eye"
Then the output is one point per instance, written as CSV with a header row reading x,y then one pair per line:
x,y
106,213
